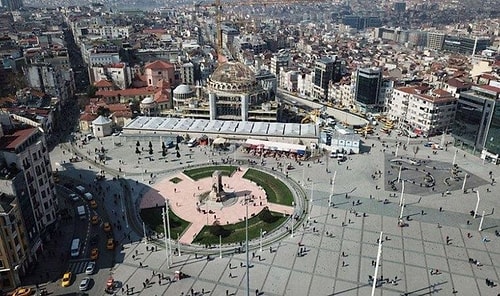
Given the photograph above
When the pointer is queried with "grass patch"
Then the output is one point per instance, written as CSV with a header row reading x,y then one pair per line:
x,y
152,218
277,192
206,172
175,180
234,233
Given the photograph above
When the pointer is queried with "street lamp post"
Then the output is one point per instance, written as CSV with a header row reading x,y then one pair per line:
x,y
402,209
169,246
260,242
477,204
399,173
397,148
333,185
465,180
144,232
220,246
179,244
165,236
377,264
481,223
402,193
455,157
246,247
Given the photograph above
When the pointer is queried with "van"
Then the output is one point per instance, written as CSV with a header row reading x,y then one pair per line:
x,y
80,189
88,196
82,213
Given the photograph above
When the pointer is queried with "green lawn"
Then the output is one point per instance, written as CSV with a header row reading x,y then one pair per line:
x,y
206,172
152,218
277,192
234,233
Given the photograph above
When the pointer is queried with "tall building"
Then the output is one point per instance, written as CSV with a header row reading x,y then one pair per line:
x,y
435,40
477,121
465,44
367,89
326,69
12,4
278,62
27,175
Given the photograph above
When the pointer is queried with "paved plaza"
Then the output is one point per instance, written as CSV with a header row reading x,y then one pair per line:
x,y
332,252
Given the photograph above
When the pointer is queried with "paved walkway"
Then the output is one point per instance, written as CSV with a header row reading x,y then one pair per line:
x,y
336,259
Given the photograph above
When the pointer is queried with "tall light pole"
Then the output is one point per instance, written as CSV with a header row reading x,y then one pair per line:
x,y
165,236
399,173
481,223
477,204
169,246
397,148
220,246
402,209
455,157
144,231
402,193
331,192
465,180
260,242
312,191
379,253
246,247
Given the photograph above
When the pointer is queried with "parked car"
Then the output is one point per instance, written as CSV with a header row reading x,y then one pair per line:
x,y
90,268
84,284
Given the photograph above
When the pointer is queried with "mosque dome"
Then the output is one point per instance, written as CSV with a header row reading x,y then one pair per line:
x,y
232,77
182,89
147,101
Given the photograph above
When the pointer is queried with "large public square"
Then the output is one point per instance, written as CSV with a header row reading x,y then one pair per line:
x,y
333,249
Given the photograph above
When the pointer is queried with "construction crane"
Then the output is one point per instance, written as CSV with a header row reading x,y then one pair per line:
x,y
218,15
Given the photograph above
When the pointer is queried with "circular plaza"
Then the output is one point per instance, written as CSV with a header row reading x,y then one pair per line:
x,y
208,196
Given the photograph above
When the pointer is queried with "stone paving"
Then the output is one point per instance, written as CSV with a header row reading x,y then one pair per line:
x,y
428,256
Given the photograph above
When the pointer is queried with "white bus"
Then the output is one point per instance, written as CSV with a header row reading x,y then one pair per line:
x,y
75,247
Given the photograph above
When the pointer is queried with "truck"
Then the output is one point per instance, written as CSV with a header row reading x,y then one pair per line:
x,y
82,213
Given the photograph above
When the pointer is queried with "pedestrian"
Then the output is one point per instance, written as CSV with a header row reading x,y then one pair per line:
x,y
140,264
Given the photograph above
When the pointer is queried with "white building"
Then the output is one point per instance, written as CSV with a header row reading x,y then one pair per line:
x,y
187,73
119,73
421,113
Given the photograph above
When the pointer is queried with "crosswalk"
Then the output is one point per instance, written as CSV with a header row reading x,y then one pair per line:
x,y
77,267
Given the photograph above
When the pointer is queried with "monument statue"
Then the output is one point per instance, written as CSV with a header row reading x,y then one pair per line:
x,y
217,193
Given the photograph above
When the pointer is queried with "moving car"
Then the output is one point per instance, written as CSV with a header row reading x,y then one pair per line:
x,y
106,226
110,245
90,268
84,284
94,254
66,279
22,291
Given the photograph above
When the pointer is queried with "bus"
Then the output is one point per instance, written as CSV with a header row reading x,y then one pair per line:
x,y
75,247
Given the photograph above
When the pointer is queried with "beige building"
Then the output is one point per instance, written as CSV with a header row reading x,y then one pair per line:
x,y
421,110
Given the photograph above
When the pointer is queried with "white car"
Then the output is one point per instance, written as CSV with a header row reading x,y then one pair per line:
x,y
74,197
90,268
84,284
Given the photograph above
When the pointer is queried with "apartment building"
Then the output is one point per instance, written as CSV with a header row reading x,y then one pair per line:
x,y
421,110
14,246
26,174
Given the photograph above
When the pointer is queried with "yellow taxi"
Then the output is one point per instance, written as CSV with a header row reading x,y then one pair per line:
x,y
66,280
110,245
94,219
94,254
106,226
93,204
22,291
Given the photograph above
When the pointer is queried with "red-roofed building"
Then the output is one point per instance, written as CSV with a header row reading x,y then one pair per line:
x,y
422,112
160,70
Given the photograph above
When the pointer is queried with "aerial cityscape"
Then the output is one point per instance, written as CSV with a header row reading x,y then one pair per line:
x,y
266,147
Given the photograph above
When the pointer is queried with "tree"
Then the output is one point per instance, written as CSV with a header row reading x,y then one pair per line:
x,y
178,154
164,153
103,111
137,151
150,145
150,150
91,90
163,147
177,147
137,144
